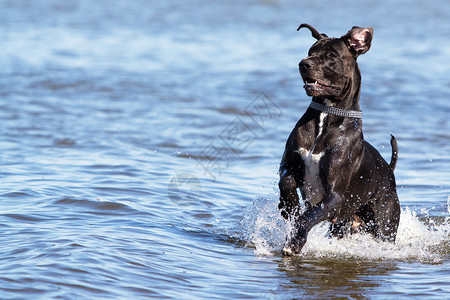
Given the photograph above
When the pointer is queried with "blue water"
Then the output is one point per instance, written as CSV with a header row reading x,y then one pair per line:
x,y
140,143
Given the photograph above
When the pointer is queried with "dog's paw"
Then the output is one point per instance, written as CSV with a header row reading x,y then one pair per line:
x,y
287,251
294,246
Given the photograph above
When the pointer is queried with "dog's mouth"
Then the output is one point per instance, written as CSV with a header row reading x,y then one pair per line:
x,y
313,88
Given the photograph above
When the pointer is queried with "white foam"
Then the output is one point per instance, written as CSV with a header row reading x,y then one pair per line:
x,y
417,240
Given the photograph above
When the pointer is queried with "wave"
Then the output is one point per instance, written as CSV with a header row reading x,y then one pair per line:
x,y
425,238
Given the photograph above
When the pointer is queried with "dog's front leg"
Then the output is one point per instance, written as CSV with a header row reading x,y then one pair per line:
x,y
289,200
324,210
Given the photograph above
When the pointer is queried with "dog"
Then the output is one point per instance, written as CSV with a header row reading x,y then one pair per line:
x,y
341,177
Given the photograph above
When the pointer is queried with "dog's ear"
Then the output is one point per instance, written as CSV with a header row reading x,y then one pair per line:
x,y
314,31
358,39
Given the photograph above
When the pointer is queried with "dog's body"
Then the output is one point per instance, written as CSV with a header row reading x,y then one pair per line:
x,y
341,177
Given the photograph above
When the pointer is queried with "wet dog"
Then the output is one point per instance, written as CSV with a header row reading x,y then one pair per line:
x,y
341,177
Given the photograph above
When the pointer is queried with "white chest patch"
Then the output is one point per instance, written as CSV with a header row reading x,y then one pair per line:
x,y
313,187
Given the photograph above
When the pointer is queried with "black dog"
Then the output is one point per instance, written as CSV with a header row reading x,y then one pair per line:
x,y
342,178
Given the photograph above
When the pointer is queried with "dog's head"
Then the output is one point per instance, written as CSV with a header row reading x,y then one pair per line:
x,y
330,67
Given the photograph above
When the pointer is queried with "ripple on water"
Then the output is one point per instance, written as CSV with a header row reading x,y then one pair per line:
x,y
97,206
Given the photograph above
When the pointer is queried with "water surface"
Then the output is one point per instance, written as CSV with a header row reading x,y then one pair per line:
x,y
140,142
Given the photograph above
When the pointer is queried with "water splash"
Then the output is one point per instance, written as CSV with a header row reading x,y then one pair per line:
x,y
424,238
263,227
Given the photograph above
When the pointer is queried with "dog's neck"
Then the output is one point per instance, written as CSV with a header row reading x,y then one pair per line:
x,y
351,103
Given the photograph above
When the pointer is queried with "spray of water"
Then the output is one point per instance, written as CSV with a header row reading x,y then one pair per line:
x,y
418,239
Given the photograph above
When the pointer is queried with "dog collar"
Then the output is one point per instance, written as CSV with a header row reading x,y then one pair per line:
x,y
357,114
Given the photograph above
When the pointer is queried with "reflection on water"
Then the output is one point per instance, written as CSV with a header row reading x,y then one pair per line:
x,y
323,278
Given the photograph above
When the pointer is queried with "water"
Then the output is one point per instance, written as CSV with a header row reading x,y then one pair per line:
x,y
118,125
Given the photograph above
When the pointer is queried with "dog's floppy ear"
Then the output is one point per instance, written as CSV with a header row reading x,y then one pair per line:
x,y
358,39
314,31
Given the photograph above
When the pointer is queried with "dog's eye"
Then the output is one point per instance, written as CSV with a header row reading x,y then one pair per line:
x,y
332,54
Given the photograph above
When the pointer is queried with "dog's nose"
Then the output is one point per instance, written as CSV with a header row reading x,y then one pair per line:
x,y
305,64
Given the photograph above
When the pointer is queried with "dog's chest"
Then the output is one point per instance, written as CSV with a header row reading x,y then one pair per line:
x,y
313,188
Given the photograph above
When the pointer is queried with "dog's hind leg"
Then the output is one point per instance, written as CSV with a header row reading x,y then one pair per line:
x,y
339,229
380,217
387,217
